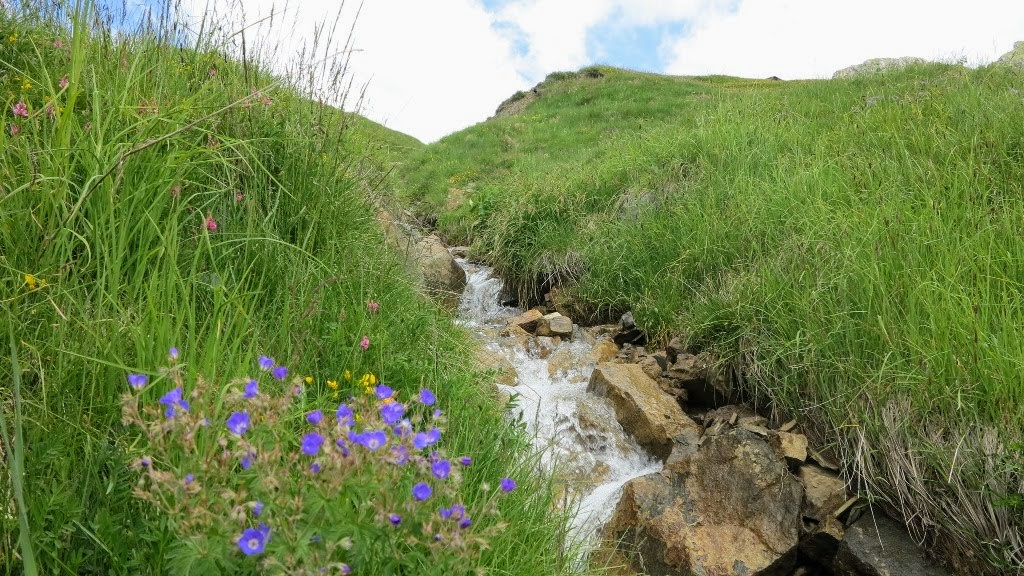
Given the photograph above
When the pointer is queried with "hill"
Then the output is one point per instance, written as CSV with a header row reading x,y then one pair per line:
x,y
848,248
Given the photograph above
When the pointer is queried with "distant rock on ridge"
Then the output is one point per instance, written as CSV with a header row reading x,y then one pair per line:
x,y
1014,57
876,65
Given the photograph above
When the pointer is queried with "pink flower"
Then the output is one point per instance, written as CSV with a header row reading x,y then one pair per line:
x,y
238,196
266,101
63,82
211,224
50,111
176,191
15,129
364,343
20,109
373,306
213,72
58,44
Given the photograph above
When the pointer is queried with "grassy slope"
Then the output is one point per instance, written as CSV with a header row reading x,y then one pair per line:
x,y
129,272
852,247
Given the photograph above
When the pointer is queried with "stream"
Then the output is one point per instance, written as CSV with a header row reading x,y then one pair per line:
x,y
576,432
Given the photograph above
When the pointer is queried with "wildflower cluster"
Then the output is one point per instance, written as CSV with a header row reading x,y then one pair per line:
x,y
264,471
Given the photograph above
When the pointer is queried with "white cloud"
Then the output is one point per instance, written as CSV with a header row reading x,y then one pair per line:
x,y
813,38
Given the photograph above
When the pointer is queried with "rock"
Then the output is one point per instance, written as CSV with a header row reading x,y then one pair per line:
x,y
822,542
1014,57
604,351
878,546
459,251
527,320
729,508
627,332
545,345
824,492
428,259
877,65
554,324
563,363
651,416
520,337
705,384
730,413
792,447
492,361
630,354
650,367
674,349
788,426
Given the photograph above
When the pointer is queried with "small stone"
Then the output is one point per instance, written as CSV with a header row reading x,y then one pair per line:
x,y
822,543
554,324
527,320
604,351
518,335
792,447
650,367
545,345
824,492
505,372
674,349
787,426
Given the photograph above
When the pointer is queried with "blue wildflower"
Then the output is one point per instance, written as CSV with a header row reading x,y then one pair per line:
x,y
437,414
465,461
279,372
314,467
442,469
374,439
311,443
426,439
238,422
345,415
507,485
189,478
265,362
465,523
315,417
247,460
137,381
345,569
174,400
403,428
383,392
173,353
257,508
252,389
421,491
427,397
395,519
341,445
392,412
400,455
254,540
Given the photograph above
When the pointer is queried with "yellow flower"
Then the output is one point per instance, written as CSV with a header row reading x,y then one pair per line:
x,y
373,379
348,375
12,38
26,85
387,400
332,384
32,281
335,395
359,418
308,379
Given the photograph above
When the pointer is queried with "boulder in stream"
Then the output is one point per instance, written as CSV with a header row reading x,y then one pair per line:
x,y
878,546
653,417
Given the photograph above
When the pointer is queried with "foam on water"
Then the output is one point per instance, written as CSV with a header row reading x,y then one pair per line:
x,y
577,431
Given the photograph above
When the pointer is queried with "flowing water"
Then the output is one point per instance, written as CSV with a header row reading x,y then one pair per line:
x,y
580,439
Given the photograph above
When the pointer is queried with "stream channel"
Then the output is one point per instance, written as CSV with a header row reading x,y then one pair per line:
x,y
576,432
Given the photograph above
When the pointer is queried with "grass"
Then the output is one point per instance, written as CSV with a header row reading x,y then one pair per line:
x,y
107,260
850,248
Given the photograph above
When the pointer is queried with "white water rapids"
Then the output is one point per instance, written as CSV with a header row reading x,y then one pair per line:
x,y
577,433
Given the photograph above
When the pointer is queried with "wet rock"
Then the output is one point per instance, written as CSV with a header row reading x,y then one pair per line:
x,y
505,372
643,410
519,338
564,363
544,346
604,351
459,251
554,324
824,492
729,508
527,320
821,541
878,546
627,332
792,447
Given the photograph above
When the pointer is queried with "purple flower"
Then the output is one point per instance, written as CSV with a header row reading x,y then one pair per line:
x,y
311,443
144,462
421,491
395,519
315,417
400,455
173,353
465,523
189,479
252,388
437,413
403,428
247,460
374,439
466,461
20,109
457,511
341,445
314,467
265,362
345,569
507,485
392,412
238,422
344,415
383,391
427,397
174,400
279,372
257,508
426,439
253,540
442,469
137,380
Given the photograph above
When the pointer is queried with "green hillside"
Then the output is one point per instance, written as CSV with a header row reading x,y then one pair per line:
x,y
850,248
157,194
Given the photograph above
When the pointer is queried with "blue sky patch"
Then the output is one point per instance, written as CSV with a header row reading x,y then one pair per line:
x,y
640,48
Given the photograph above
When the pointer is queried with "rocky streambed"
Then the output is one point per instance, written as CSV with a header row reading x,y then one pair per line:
x,y
668,473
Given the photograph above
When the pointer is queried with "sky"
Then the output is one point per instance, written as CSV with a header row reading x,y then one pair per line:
x,y
432,67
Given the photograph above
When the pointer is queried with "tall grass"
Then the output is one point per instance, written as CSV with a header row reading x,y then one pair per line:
x,y
850,249
108,258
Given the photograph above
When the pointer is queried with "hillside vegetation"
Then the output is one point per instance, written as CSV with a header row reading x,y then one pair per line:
x,y
851,249
155,192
